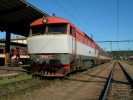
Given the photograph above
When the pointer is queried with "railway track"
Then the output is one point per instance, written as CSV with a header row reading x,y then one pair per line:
x,y
89,85
129,62
20,86
29,85
85,85
11,88
119,84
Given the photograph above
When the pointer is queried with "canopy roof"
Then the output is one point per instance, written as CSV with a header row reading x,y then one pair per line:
x,y
16,16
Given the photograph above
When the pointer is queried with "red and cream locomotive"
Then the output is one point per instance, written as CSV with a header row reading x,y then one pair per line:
x,y
57,47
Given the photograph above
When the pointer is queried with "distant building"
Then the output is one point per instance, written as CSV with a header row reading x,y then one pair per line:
x,y
122,54
19,40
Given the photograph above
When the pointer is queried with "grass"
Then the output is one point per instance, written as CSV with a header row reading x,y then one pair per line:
x,y
15,79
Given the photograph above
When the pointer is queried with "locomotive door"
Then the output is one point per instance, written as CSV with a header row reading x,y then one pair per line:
x,y
73,33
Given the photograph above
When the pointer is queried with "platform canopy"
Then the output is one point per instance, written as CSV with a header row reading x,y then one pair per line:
x,y
16,16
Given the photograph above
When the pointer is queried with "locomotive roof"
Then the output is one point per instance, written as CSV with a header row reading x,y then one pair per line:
x,y
50,20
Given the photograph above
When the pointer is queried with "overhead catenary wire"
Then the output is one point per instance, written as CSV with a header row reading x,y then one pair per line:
x,y
90,28
71,15
79,13
85,21
115,41
67,12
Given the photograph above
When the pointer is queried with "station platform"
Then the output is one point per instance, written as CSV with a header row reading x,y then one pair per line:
x,y
7,71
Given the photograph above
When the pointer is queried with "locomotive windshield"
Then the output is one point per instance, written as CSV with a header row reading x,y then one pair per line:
x,y
38,30
57,29
51,29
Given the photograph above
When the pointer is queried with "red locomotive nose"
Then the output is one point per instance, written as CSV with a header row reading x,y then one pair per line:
x,y
45,20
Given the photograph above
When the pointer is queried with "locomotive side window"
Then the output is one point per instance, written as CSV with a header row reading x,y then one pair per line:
x,y
72,31
83,40
86,42
38,30
57,29
90,44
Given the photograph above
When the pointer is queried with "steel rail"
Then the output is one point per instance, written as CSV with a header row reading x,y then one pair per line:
x,y
106,87
130,79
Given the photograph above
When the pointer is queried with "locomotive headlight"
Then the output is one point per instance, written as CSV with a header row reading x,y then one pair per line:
x,y
45,19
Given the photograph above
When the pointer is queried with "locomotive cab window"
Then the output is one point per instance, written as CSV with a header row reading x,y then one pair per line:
x,y
37,30
57,29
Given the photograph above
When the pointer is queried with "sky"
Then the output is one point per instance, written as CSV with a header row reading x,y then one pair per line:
x,y
103,20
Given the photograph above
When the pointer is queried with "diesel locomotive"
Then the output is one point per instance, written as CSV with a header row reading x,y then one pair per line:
x,y
56,48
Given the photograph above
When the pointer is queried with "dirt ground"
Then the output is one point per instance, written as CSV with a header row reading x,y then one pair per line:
x,y
86,85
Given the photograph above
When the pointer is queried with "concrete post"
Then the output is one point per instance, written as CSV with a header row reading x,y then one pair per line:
x,y
7,49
